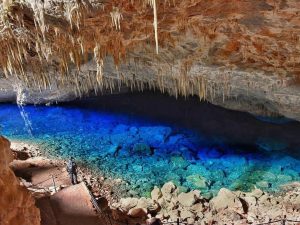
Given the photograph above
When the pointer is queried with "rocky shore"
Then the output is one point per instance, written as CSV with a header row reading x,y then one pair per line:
x,y
169,202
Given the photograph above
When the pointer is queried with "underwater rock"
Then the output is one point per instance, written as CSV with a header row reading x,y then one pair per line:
x,y
141,149
267,176
234,161
217,174
155,135
112,150
197,168
175,139
284,178
263,184
182,189
179,161
120,129
269,144
133,130
214,153
198,181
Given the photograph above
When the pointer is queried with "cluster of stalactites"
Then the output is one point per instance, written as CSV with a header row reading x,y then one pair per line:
x,y
19,41
68,49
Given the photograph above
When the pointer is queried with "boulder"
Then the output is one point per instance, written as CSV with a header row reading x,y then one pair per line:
x,y
184,214
187,199
214,153
263,184
190,221
198,181
138,213
251,201
296,202
173,215
167,190
197,208
155,135
156,193
141,149
179,161
225,199
143,202
128,203
257,193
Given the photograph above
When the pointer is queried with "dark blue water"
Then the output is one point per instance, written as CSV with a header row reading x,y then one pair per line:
x,y
150,139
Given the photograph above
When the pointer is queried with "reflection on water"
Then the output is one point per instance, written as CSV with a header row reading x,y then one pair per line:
x,y
149,139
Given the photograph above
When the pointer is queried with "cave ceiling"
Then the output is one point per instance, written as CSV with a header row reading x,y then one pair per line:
x,y
46,43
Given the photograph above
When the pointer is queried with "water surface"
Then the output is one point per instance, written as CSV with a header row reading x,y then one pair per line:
x,y
149,139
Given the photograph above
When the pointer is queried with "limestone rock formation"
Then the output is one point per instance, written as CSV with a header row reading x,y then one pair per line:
x,y
241,207
17,206
239,54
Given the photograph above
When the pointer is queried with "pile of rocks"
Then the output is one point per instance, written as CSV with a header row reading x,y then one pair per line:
x,y
168,204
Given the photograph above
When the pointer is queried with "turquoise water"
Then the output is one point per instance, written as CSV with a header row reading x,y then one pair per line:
x,y
152,139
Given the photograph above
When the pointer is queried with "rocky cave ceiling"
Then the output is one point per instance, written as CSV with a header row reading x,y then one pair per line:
x,y
176,46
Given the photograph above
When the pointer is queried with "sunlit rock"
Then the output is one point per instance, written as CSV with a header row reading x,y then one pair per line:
x,y
187,199
167,190
128,203
226,199
156,193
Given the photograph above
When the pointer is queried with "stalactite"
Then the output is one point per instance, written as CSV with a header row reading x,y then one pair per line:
x,y
116,17
152,3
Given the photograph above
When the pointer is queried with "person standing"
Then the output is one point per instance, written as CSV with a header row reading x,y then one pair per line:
x,y
72,170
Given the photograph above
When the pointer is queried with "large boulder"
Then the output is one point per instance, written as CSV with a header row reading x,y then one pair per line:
x,y
188,199
226,199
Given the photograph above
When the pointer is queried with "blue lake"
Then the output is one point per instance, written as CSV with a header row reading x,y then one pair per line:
x,y
150,139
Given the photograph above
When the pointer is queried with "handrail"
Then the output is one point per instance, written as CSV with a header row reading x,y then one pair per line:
x,y
48,178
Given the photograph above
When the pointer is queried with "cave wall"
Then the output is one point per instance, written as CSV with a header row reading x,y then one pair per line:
x,y
17,206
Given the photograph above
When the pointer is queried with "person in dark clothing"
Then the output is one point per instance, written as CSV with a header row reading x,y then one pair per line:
x,y
72,170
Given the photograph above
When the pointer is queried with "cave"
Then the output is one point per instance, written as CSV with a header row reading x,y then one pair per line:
x,y
149,112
